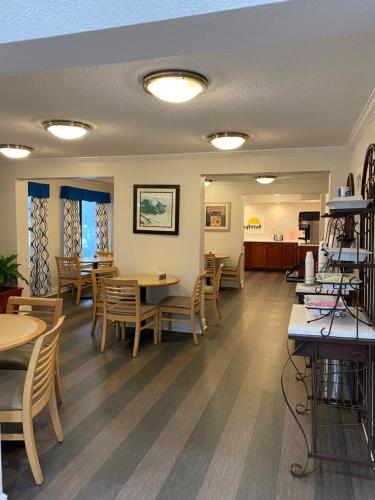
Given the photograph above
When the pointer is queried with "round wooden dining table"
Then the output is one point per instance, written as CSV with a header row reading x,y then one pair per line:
x,y
16,330
146,280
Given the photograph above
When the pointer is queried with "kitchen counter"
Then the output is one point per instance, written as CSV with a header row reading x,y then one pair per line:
x,y
272,255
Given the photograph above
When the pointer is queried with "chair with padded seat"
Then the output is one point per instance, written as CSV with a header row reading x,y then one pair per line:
x,y
49,310
172,308
97,293
211,292
122,304
25,393
234,272
70,271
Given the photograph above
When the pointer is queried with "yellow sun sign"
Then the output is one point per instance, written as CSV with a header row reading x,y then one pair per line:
x,y
254,221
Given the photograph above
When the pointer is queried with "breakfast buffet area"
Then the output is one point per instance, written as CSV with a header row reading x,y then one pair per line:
x,y
331,333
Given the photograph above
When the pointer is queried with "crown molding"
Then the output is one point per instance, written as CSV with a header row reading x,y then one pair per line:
x,y
367,114
177,156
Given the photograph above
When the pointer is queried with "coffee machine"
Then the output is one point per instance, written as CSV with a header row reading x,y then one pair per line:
x,y
308,222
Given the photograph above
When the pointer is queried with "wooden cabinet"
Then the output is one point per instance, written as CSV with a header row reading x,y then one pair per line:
x,y
290,255
276,256
258,257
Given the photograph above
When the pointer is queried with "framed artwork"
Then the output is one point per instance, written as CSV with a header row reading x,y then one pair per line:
x,y
217,216
156,209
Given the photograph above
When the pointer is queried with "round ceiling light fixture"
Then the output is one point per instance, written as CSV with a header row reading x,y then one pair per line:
x,y
175,85
67,129
15,151
265,179
227,140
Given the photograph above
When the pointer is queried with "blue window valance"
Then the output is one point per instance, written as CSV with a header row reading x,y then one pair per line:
x,y
74,193
37,190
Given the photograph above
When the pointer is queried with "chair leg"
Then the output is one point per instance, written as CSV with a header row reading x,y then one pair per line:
x,y
123,331
94,320
104,334
217,310
136,339
79,290
58,385
160,326
32,455
193,329
55,415
202,321
156,328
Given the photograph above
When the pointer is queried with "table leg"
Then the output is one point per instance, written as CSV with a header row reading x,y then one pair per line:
x,y
2,494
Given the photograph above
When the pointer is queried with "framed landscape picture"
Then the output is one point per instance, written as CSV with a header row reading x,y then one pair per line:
x,y
156,209
217,216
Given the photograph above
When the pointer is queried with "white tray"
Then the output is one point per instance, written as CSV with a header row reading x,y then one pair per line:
x,y
348,254
344,203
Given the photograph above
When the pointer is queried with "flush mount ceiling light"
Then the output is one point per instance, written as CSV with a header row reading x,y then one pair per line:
x,y
66,129
265,179
207,182
227,140
175,85
15,151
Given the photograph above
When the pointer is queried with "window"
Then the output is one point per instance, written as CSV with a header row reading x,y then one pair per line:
x,y
88,224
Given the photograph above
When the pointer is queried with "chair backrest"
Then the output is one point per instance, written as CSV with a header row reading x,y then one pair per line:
x,y
196,297
122,296
49,310
96,277
217,280
210,265
239,262
104,253
42,367
68,267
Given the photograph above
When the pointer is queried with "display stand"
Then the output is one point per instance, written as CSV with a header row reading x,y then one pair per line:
x,y
340,345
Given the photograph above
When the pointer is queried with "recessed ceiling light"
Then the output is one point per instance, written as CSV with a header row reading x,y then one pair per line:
x,y
15,151
228,140
68,130
175,85
265,179
207,182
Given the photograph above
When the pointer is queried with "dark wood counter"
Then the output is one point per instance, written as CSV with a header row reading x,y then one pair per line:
x,y
275,255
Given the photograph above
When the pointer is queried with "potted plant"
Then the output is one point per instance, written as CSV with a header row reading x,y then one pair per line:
x,y
9,276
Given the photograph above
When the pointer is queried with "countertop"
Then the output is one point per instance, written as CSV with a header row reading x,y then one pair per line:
x,y
283,241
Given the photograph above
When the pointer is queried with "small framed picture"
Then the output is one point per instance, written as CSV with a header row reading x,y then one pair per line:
x,y
156,209
217,216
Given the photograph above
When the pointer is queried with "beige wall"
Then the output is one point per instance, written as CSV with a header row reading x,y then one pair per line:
x,y
181,255
278,218
55,219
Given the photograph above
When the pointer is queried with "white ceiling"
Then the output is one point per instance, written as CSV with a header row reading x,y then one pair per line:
x,y
303,92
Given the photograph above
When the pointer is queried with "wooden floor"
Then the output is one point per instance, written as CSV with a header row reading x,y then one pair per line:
x,y
181,421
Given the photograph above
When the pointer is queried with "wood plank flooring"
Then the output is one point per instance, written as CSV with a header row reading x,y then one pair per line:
x,y
181,421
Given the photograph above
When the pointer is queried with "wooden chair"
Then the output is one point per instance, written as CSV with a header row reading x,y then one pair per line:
x,y
49,310
24,394
210,266
97,293
122,304
211,293
71,272
234,273
104,253
183,306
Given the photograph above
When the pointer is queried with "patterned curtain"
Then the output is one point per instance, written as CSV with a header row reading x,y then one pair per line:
x,y
72,229
40,276
101,227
